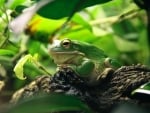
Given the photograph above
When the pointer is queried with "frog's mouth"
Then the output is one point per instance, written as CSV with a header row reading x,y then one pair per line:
x,y
66,57
60,53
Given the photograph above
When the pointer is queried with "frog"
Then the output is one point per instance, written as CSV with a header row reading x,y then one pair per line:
x,y
86,60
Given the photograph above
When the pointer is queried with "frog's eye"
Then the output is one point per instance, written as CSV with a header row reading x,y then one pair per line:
x,y
66,43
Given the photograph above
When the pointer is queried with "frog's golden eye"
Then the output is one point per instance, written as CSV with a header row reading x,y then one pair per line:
x,y
66,43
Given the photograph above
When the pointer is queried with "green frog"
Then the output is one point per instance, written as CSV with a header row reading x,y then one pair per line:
x,y
87,60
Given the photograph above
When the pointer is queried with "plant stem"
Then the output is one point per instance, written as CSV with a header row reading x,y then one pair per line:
x,y
6,30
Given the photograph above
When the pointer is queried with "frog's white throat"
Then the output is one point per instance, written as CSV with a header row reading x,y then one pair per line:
x,y
62,58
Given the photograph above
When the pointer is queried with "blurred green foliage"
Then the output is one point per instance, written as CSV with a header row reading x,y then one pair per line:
x,y
118,27
49,103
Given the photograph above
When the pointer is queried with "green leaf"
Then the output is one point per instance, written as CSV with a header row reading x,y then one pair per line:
x,y
19,24
106,42
40,28
143,87
142,93
54,9
2,2
19,66
6,52
61,8
125,45
80,34
81,21
15,3
50,103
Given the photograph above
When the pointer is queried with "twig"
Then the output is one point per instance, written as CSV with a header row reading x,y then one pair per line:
x,y
116,19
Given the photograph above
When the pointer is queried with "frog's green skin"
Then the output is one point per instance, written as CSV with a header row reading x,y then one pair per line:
x,y
85,59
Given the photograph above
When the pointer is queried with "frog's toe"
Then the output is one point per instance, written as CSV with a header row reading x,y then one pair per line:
x,y
105,74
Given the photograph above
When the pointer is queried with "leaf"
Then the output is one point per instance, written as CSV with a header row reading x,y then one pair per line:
x,y
144,87
61,8
142,93
14,3
19,23
125,45
40,28
6,52
81,21
80,34
50,103
18,69
54,9
2,2
106,42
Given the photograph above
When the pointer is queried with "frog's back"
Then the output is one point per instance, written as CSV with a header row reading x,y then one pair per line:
x,y
91,51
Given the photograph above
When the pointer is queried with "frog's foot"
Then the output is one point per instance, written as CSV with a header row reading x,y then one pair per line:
x,y
105,74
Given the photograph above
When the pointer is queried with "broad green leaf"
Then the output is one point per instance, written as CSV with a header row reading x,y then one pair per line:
x,y
18,69
128,33
82,34
61,8
106,43
115,7
14,3
54,9
81,22
18,10
2,2
40,28
125,45
6,52
50,103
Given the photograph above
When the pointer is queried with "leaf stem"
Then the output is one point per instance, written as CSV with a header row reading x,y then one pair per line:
x,y
40,66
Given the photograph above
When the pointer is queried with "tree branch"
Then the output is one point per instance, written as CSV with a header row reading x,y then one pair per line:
x,y
116,88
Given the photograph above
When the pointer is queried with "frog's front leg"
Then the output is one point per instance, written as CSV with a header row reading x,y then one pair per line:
x,y
85,68
109,68
105,74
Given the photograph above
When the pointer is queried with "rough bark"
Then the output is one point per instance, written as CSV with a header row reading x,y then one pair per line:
x,y
115,89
